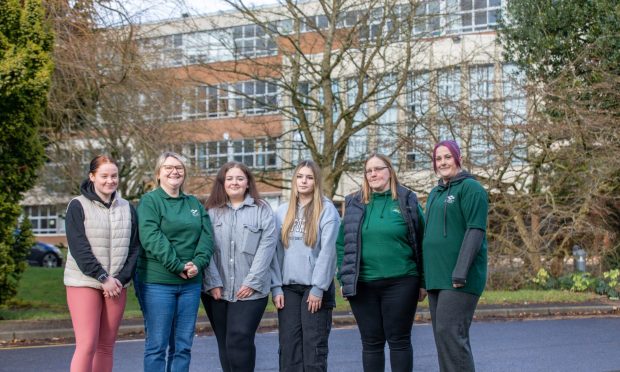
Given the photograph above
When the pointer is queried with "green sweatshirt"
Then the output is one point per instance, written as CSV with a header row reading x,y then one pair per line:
x,y
173,231
385,248
451,209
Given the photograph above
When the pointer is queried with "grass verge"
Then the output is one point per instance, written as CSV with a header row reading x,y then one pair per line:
x,y
41,295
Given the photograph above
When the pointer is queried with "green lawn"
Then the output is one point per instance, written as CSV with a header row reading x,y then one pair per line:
x,y
42,296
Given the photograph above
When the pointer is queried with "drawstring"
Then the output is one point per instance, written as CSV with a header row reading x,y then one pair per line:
x,y
384,204
445,211
372,205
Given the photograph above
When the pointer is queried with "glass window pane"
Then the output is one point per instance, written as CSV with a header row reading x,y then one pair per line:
x,y
466,19
259,31
260,87
480,4
248,160
493,16
237,146
237,32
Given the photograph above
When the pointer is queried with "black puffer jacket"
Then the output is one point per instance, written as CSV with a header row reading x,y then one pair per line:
x,y
353,217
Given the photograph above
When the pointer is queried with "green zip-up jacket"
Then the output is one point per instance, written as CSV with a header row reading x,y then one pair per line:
x,y
173,231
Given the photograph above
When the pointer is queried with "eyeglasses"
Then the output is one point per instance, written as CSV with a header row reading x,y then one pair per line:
x,y
375,169
171,168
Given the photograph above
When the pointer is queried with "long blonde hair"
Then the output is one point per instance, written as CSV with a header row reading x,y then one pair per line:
x,y
366,192
312,212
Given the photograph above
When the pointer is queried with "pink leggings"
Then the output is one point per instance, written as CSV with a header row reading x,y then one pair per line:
x,y
95,322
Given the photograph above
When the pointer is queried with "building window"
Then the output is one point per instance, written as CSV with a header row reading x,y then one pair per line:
x,y
314,23
448,102
418,133
252,41
45,219
256,153
481,86
427,18
217,101
256,97
358,142
387,124
479,15
299,150
419,147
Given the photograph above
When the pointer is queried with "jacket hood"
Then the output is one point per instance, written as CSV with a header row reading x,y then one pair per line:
x,y
87,188
462,175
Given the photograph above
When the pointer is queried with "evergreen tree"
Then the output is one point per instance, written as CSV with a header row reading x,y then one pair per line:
x,y
25,74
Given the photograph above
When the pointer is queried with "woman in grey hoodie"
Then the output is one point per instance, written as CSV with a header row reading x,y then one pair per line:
x,y
303,272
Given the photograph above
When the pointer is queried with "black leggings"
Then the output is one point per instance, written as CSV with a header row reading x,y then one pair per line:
x,y
384,311
235,325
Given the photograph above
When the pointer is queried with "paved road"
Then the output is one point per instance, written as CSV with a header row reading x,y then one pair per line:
x,y
533,345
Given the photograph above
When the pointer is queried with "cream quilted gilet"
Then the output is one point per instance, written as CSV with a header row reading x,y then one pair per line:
x,y
108,231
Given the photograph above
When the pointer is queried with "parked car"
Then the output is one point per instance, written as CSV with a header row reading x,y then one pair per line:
x,y
46,255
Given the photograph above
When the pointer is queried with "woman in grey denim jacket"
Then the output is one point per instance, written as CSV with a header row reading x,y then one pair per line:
x,y
237,281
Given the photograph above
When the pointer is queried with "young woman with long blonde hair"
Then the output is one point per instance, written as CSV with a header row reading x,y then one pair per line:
x,y
303,274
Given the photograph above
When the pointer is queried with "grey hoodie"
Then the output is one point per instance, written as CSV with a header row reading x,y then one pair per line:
x,y
300,264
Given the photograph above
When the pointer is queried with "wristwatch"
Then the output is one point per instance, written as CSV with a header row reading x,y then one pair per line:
x,y
103,277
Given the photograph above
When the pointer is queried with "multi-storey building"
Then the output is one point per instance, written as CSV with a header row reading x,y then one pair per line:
x,y
239,89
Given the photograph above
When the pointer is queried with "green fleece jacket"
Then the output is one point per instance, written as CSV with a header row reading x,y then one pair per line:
x,y
173,231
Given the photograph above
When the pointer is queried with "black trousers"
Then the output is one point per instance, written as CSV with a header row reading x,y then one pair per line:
x,y
303,335
384,311
235,325
452,313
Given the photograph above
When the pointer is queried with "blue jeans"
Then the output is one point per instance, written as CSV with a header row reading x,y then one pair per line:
x,y
169,309
139,289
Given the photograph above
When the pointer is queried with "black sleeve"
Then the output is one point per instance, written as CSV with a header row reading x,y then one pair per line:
x,y
472,241
79,246
126,273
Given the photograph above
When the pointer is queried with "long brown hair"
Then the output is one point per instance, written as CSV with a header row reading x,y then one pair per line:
x,y
312,212
218,197
366,191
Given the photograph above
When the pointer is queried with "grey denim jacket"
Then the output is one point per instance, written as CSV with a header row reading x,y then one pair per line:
x,y
245,244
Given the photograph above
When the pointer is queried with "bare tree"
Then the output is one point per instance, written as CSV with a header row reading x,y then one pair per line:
x,y
339,66
104,97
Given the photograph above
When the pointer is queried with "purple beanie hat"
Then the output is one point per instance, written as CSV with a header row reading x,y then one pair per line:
x,y
454,149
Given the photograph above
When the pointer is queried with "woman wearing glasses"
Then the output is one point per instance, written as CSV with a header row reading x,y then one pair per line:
x,y
177,242
237,282
380,264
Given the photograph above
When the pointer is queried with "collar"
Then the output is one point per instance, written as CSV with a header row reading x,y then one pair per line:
x,y
161,193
